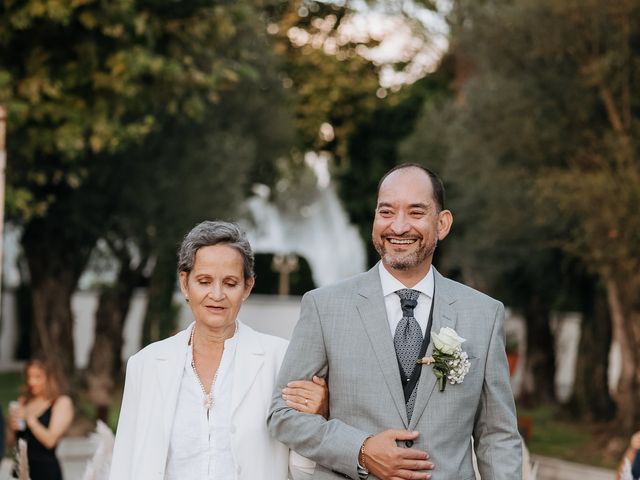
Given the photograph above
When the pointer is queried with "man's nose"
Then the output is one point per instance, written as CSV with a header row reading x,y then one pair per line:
x,y
400,224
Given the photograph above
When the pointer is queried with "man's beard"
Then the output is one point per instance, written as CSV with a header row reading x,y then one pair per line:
x,y
406,261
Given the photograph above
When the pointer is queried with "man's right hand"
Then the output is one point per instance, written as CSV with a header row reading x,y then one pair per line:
x,y
384,459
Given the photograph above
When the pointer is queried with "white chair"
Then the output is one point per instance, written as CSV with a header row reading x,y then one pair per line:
x,y
100,464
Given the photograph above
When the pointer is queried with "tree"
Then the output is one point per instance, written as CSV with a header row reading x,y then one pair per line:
x,y
547,116
596,189
375,147
83,82
339,106
493,246
188,172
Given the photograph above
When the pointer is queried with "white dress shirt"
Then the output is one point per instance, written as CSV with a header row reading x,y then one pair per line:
x,y
390,285
200,445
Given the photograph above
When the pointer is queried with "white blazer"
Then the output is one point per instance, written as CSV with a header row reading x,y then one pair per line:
x,y
150,397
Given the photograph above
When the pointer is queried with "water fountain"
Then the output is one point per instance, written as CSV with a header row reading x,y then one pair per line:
x,y
319,231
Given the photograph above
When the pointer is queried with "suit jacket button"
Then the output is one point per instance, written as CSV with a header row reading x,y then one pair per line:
x,y
408,443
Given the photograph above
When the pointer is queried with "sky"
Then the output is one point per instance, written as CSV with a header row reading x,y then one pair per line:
x,y
400,42
415,36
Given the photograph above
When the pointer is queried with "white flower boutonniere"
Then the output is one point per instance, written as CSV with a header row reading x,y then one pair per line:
x,y
448,360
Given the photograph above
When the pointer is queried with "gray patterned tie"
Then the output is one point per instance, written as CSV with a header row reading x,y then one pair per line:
x,y
408,339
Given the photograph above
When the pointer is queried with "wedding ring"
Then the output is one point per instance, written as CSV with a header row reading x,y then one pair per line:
x,y
306,401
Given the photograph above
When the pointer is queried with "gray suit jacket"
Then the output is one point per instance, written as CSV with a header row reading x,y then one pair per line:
x,y
343,333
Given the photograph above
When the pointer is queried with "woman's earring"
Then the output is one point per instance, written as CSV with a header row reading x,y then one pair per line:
x,y
186,299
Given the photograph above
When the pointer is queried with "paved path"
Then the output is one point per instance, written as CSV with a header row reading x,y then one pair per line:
x,y
554,469
75,452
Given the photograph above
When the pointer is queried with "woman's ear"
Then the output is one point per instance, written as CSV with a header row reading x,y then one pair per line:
x,y
248,285
183,278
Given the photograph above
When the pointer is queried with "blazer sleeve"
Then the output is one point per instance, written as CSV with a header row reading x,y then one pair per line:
x,y
331,443
497,441
123,449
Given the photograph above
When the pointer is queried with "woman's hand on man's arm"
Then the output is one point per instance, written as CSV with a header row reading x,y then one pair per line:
x,y
308,396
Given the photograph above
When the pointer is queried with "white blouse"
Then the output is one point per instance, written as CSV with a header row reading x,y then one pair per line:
x,y
200,444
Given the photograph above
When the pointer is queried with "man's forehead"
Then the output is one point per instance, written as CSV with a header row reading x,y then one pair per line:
x,y
404,175
411,185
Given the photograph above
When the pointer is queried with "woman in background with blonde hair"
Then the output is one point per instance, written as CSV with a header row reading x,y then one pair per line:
x,y
41,416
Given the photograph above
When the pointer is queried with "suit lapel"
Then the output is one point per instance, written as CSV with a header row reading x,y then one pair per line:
x,y
444,315
169,369
248,362
372,310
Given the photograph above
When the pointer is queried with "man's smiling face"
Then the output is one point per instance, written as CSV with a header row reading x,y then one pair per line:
x,y
406,224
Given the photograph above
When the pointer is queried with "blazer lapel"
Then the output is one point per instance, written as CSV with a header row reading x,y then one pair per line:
x,y
372,310
248,362
169,368
444,315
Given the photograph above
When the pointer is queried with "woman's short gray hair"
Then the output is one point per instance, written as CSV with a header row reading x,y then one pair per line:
x,y
210,233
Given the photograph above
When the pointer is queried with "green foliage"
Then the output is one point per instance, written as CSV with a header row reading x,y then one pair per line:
x,y
554,434
128,121
553,96
327,80
332,84
10,383
597,210
82,79
374,149
528,130
538,150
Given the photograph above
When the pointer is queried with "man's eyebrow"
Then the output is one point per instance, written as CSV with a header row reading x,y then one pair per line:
x,y
424,206
383,204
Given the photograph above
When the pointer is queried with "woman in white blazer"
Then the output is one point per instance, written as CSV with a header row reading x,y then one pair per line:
x,y
195,404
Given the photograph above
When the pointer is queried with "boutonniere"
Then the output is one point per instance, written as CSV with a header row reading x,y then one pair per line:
x,y
448,360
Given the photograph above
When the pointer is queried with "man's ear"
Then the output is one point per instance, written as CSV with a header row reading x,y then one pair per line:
x,y
445,220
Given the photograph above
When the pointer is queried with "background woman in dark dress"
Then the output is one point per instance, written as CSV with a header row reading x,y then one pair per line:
x,y
41,417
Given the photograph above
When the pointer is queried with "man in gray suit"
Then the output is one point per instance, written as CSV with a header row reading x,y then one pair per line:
x,y
366,334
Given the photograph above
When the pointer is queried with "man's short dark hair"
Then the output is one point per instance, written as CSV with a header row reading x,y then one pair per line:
x,y
436,183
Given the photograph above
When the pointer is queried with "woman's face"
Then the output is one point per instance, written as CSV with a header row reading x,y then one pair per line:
x,y
36,380
216,287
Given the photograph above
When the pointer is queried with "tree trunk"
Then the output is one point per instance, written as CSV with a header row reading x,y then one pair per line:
x,y
24,311
591,396
160,319
53,326
57,252
624,306
540,366
105,361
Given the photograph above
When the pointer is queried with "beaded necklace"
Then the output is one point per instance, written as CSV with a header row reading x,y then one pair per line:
x,y
208,397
